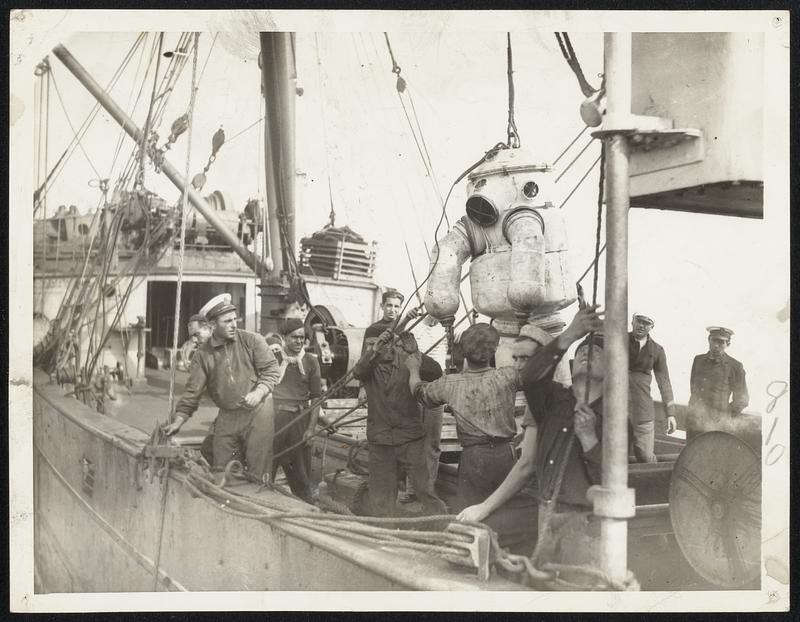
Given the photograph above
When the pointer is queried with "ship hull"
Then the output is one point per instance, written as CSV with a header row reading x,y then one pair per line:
x,y
98,519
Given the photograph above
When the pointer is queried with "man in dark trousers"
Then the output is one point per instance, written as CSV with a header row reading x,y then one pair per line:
x,y
556,413
482,399
718,384
646,358
239,372
300,383
395,430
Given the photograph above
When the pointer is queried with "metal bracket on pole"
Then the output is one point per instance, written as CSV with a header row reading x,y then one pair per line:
x,y
613,503
645,133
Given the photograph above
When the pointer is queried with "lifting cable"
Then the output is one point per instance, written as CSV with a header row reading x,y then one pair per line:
x,y
422,149
177,324
513,133
572,60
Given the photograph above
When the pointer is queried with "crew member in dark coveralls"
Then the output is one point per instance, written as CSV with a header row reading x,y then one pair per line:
x,y
482,399
394,426
301,381
391,305
239,372
556,413
718,384
646,358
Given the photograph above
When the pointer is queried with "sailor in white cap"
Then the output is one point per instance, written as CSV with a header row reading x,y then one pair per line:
x,y
718,384
239,371
646,359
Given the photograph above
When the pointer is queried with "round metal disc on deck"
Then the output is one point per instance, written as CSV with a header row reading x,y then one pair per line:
x,y
715,508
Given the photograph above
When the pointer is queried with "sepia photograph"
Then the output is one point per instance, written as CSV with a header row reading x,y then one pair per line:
x,y
361,308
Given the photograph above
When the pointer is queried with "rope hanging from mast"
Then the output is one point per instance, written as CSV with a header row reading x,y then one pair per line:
x,y
513,132
139,183
176,326
416,130
572,60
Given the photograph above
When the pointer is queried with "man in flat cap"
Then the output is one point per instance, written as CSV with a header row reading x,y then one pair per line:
x,y
646,359
482,400
301,382
556,413
718,384
239,371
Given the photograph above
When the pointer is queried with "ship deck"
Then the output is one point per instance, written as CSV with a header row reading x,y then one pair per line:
x,y
147,404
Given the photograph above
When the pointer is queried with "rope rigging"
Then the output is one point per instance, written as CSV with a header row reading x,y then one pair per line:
x,y
178,291
572,60
139,183
88,296
415,127
53,174
513,133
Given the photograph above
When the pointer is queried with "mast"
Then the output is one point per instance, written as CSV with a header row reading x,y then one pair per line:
x,y
118,114
278,78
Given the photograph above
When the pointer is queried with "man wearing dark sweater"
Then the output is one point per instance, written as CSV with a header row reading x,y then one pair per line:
x,y
395,430
301,381
646,358
239,372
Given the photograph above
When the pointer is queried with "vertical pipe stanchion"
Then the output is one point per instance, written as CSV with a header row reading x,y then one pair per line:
x,y
618,502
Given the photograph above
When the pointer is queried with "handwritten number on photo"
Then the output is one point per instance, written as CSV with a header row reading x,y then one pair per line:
x,y
776,451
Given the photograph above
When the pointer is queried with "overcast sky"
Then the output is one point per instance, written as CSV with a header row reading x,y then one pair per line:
x,y
686,271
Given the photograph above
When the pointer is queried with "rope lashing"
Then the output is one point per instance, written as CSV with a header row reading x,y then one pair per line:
x,y
572,60
513,133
